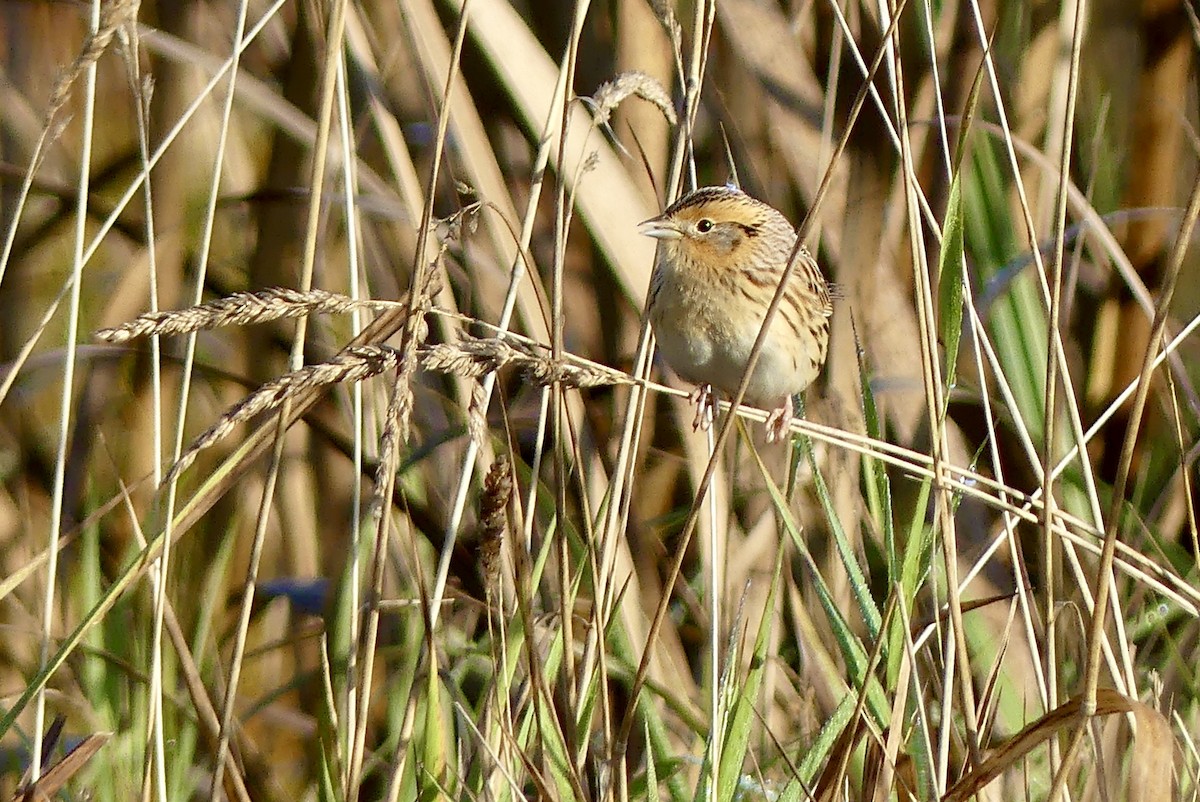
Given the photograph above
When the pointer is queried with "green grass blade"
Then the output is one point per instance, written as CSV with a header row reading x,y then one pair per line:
x,y
741,721
851,648
859,587
950,283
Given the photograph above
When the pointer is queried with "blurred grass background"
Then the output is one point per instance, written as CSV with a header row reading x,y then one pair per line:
x,y
872,613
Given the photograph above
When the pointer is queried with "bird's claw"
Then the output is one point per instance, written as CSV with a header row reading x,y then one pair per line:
x,y
706,407
780,421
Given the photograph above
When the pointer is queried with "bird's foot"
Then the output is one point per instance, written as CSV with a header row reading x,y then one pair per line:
x,y
780,421
706,407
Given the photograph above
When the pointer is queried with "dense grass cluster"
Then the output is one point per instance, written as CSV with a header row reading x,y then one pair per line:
x,y
355,477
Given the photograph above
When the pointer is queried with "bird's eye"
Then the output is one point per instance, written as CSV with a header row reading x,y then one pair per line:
x,y
704,226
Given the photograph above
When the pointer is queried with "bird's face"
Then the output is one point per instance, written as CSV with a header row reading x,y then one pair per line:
x,y
716,227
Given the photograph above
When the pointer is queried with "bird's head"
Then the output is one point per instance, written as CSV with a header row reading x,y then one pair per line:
x,y
716,224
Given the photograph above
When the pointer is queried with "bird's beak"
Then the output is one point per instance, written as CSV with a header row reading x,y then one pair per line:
x,y
659,228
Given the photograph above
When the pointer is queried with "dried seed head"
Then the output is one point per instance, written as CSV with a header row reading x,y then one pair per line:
x,y
631,84
493,518
238,309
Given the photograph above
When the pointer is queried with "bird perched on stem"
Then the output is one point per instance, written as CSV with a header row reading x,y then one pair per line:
x,y
720,259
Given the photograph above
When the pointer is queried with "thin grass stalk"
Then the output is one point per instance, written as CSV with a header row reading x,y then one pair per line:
x,y
335,34
206,713
535,469
602,571
631,433
501,697
716,586
935,405
325,669
591,479
606,704
616,522
159,572
685,157
897,724
401,173
590,476
400,756
353,244
838,770
467,718
705,15
919,700
981,343
67,396
541,696
593,668
618,512
954,650
1050,408
604,555
50,132
1067,30
1184,472
566,594
1099,229
386,476
944,134
837,46
949,656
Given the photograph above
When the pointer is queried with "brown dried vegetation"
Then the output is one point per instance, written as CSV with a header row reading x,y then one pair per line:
x,y
252,548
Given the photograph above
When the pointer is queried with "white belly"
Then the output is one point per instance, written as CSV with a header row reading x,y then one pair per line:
x,y
708,350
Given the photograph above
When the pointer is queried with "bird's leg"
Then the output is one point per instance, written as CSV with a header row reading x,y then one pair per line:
x,y
705,402
779,421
